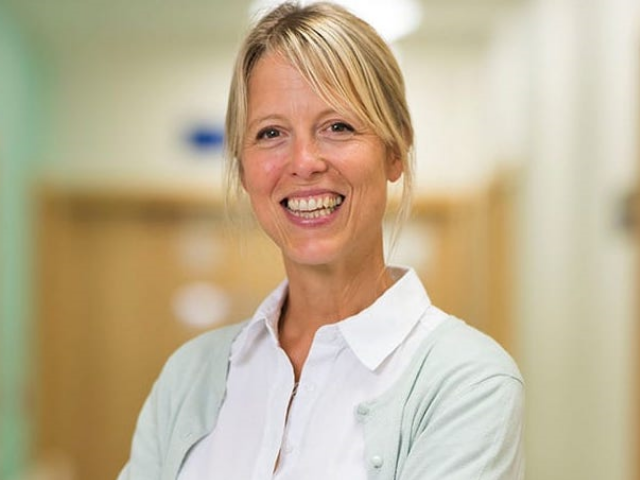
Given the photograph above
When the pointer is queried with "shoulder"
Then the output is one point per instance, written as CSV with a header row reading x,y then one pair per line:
x,y
456,412
458,346
459,369
456,358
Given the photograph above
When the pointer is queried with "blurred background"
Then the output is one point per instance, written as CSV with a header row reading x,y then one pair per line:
x,y
115,246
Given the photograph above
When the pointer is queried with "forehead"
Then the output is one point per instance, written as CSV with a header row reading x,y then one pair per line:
x,y
272,72
275,84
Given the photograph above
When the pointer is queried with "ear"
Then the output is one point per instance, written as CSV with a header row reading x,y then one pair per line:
x,y
395,168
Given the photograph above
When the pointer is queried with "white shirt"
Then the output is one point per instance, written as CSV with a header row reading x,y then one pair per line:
x,y
317,437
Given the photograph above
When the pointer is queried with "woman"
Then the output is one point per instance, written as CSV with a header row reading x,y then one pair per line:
x,y
346,371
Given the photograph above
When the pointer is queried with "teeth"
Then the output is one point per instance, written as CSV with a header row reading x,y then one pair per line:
x,y
314,205
314,214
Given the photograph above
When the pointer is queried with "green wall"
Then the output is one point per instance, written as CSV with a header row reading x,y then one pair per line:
x,y
21,115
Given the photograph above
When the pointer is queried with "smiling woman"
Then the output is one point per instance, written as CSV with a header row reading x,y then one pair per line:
x,y
346,370
299,154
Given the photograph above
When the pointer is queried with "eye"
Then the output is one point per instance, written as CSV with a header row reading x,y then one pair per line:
x,y
341,127
268,133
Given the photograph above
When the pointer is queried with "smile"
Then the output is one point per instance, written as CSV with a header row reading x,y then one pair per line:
x,y
313,207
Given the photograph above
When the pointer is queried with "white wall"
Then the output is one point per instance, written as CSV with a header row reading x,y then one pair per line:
x,y
611,145
576,279
121,114
446,93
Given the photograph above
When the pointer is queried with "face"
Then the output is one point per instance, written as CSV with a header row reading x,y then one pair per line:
x,y
317,179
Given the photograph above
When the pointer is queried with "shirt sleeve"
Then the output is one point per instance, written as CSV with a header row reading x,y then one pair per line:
x,y
144,460
477,435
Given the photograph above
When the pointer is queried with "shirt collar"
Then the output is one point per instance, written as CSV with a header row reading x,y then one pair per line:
x,y
375,332
264,320
372,334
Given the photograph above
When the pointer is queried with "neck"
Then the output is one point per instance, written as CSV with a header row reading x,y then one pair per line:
x,y
321,295
324,295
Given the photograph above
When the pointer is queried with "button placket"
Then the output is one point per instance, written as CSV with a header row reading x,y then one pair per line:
x,y
280,431
315,375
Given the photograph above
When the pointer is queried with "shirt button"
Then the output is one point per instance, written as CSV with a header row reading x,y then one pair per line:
x,y
376,461
363,410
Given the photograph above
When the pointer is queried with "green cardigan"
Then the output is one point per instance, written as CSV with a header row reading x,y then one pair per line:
x,y
455,414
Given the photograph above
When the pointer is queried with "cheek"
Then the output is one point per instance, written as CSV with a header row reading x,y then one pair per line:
x,y
370,168
261,171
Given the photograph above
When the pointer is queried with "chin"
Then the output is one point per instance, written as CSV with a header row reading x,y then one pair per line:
x,y
314,256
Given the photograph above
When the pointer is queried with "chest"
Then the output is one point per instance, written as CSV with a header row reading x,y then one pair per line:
x,y
270,428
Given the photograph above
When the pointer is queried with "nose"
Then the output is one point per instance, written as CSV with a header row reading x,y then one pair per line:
x,y
306,158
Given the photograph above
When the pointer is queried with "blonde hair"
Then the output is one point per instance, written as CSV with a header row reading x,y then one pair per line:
x,y
347,64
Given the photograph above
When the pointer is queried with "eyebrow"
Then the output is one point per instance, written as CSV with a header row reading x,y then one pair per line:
x,y
266,118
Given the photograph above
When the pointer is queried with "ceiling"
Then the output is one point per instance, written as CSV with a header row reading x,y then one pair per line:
x,y
63,24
